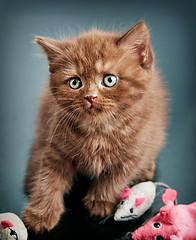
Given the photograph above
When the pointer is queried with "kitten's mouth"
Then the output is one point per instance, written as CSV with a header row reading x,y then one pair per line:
x,y
92,111
93,107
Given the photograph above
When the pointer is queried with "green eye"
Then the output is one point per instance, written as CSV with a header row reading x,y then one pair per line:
x,y
109,80
75,83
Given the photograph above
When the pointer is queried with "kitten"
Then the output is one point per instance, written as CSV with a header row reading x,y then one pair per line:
x,y
104,113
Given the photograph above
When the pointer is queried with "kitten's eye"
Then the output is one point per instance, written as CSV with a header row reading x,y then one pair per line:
x,y
109,80
75,83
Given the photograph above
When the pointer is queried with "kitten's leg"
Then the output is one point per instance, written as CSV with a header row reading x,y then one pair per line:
x,y
33,167
45,204
104,193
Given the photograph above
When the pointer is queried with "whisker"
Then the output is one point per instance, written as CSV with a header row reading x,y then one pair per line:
x,y
65,117
56,129
62,98
57,112
69,118
54,114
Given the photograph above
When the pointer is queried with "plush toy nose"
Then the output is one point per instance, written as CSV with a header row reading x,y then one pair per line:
x,y
90,99
131,210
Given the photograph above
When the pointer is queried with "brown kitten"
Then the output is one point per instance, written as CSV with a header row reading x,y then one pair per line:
x,y
104,113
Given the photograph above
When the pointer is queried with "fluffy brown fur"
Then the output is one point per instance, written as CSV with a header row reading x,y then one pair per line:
x,y
113,136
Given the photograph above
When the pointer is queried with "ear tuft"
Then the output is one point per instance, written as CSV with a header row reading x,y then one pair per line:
x,y
51,47
137,40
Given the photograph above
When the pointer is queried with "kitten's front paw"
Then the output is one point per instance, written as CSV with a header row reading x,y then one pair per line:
x,y
99,208
38,223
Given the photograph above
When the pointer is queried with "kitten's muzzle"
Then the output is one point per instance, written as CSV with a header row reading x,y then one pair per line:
x,y
90,99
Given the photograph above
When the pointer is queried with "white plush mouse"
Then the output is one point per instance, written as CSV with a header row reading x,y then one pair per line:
x,y
135,201
12,227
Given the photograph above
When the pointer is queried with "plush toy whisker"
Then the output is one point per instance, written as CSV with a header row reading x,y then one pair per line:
x,y
132,216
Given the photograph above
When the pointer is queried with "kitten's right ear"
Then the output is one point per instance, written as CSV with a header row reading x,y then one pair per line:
x,y
51,47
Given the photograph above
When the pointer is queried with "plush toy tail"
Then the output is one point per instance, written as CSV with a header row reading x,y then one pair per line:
x,y
169,195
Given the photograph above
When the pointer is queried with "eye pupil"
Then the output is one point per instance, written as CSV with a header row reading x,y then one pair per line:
x,y
109,80
157,224
75,83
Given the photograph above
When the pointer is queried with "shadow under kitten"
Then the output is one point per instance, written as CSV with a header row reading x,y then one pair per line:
x,y
76,223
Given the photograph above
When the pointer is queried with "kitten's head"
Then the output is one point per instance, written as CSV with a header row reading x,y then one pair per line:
x,y
100,72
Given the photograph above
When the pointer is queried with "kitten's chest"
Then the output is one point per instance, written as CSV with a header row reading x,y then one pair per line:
x,y
97,156
98,152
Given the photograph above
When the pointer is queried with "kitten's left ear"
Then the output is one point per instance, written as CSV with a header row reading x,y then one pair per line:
x,y
137,40
51,47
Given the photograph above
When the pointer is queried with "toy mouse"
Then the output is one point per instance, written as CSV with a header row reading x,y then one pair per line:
x,y
12,227
173,222
135,201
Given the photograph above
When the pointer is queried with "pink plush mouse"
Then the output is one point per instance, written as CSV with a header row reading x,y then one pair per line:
x,y
173,222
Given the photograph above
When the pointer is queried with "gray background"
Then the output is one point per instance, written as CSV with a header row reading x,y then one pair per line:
x,y
23,74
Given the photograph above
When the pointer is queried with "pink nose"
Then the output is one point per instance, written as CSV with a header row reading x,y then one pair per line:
x,y
90,99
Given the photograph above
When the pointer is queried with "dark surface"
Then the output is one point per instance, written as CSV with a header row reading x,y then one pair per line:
x,y
77,224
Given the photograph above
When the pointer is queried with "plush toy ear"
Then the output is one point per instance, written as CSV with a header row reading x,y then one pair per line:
x,y
169,195
5,224
139,201
167,214
126,193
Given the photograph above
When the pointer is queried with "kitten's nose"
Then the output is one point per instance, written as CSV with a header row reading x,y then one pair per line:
x,y
90,99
